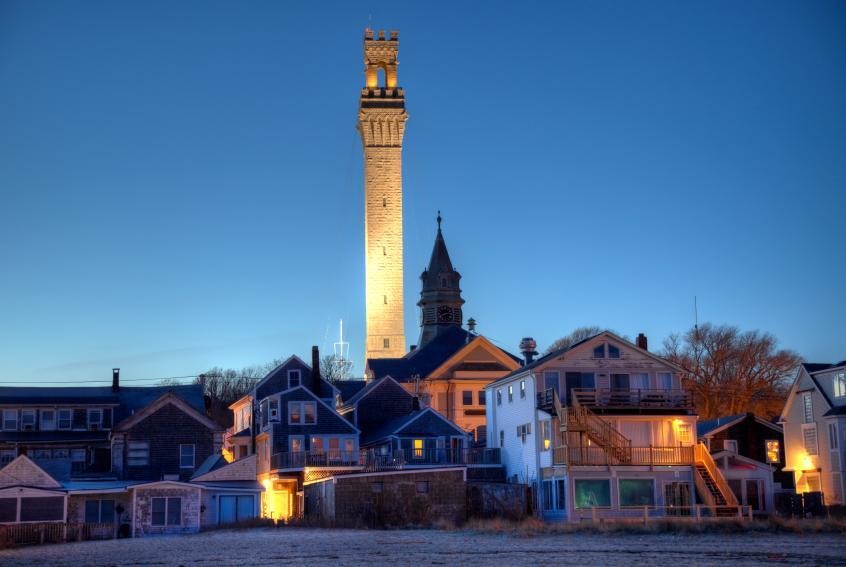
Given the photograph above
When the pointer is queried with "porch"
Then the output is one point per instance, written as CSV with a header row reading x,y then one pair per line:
x,y
646,456
395,459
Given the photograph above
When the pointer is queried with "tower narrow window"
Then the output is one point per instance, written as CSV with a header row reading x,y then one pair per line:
x,y
384,251
386,343
385,299
384,202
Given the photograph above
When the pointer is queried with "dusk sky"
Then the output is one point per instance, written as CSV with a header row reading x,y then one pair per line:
x,y
181,183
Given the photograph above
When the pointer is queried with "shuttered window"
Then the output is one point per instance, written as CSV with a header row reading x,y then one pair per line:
x,y
138,454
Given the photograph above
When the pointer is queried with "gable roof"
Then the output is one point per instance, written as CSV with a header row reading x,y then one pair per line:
x,y
348,388
562,351
327,390
216,468
321,401
510,362
162,401
22,471
809,369
427,358
710,427
371,387
395,426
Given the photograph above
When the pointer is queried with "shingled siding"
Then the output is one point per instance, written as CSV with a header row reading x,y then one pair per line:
x,y
166,429
328,422
751,437
387,401
278,380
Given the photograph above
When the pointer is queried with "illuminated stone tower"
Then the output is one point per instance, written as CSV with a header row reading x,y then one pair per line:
x,y
381,123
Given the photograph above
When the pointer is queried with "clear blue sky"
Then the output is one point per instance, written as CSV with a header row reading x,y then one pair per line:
x,y
181,182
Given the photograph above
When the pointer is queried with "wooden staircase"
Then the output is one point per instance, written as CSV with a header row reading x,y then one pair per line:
x,y
580,418
711,485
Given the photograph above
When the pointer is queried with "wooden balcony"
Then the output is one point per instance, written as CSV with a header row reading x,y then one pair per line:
x,y
598,456
373,461
596,398
315,459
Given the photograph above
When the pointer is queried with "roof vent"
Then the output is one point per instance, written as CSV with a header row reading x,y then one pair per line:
x,y
527,347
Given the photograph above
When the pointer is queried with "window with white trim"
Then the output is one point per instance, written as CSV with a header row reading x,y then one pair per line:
x,y
138,453
302,413
832,435
95,419
546,434
522,388
809,438
274,410
166,511
730,445
294,378
10,420
28,420
808,407
65,419
499,397
840,385
523,431
48,420
99,511
613,352
685,431
7,456
510,393
186,456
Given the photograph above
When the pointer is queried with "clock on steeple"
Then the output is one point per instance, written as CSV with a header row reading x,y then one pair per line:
x,y
440,299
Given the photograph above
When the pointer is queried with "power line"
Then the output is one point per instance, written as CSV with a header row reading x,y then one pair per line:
x,y
122,380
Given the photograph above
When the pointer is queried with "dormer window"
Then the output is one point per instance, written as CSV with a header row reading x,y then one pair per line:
x,y
599,352
840,385
293,378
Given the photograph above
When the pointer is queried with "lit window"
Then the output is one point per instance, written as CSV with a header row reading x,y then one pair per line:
x,y
274,410
302,413
309,412
186,456
685,433
546,433
840,385
772,446
613,352
418,449
599,352
522,388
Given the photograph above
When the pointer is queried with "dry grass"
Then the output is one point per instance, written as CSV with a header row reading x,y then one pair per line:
x,y
534,527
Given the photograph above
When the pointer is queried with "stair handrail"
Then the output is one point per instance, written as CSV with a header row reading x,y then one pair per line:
x,y
703,456
603,433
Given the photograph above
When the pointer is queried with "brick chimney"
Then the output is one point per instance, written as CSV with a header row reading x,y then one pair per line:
x,y
641,342
115,380
315,370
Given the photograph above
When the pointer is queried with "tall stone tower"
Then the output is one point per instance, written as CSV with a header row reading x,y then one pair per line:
x,y
440,298
381,123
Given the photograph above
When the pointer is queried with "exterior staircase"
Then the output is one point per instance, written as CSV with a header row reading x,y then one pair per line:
x,y
580,418
711,485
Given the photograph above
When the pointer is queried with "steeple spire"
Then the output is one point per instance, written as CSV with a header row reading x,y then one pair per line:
x,y
440,299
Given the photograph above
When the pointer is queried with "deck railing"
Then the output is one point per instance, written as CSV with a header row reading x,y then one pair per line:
x,y
632,398
36,533
372,460
598,456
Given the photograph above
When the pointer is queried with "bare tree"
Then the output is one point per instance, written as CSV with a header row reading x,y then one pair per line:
x,y
578,334
333,369
730,371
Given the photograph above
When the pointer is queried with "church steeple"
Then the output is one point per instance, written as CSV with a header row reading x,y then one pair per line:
x,y
440,298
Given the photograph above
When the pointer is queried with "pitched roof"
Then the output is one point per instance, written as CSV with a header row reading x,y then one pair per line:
x,y
705,427
425,359
439,262
55,436
396,425
349,388
366,390
836,410
160,402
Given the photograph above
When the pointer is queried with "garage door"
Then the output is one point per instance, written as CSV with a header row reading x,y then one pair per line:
x,y
235,509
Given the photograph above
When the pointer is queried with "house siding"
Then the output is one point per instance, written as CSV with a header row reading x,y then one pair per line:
x,y
387,401
328,423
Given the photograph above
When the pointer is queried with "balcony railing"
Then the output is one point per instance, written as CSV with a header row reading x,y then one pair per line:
x,y
303,459
597,456
626,399
371,460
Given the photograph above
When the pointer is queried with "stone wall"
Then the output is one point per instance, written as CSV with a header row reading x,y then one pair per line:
x,y
409,498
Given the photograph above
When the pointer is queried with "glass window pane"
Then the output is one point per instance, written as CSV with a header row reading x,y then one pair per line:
x,y
158,511
174,511
637,492
613,352
310,412
599,352
590,493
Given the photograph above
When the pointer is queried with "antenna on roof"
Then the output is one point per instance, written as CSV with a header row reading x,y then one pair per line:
x,y
695,317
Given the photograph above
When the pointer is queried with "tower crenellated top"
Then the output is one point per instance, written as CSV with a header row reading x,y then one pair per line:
x,y
380,53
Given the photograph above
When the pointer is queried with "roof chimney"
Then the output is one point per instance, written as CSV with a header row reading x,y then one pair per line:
x,y
527,347
115,380
315,370
641,342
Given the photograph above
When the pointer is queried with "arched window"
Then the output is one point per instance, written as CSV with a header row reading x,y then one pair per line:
x,y
381,81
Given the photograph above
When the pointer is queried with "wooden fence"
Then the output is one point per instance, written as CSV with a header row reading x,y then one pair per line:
x,y
37,533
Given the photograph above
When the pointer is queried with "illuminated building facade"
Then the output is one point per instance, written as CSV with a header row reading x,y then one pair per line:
x,y
381,123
